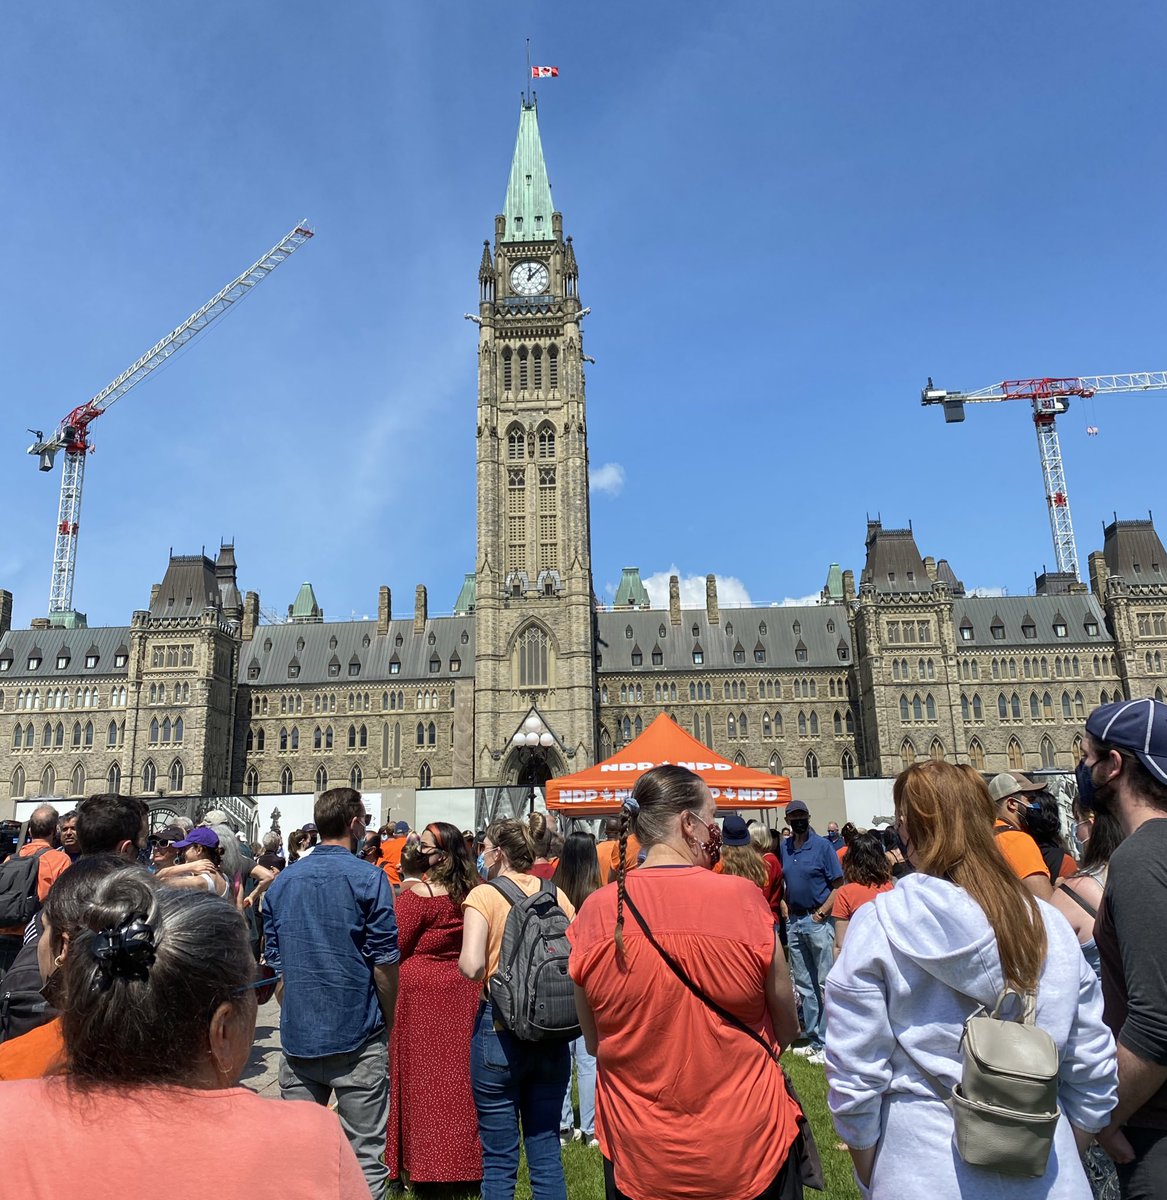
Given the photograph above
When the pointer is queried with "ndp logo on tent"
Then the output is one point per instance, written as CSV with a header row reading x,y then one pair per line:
x,y
641,767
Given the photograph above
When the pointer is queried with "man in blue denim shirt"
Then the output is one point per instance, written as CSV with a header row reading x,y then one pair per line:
x,y
810,874
331,934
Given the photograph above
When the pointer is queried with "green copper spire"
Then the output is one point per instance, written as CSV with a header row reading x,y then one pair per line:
x,y
467,597
305,610
528,205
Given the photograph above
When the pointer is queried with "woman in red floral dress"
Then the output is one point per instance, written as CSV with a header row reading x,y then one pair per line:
x,y
433,1125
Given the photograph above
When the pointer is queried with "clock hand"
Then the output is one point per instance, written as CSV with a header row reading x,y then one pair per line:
x,y
530,274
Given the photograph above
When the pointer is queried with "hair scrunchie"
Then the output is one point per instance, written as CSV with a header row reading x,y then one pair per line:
x,y
124,953
632,805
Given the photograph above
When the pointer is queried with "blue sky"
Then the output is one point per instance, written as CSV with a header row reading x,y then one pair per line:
x,y
786,218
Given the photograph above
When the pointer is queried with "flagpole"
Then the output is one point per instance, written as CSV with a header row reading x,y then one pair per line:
x,y
528,82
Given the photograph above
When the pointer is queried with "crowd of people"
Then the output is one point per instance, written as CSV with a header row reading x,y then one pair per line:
x,y
692,950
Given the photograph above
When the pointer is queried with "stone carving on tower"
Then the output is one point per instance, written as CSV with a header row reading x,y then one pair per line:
x,y
534,580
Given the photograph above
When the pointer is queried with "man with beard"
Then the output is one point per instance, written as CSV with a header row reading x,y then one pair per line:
x,y
1124,772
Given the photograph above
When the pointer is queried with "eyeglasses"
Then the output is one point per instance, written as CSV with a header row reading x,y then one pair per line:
x,y
264,987
162,844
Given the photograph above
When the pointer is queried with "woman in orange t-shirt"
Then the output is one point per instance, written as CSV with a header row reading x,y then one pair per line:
x,y
866,873
158,1027
687,1105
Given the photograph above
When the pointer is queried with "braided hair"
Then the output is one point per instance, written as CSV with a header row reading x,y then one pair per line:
x,y
658,797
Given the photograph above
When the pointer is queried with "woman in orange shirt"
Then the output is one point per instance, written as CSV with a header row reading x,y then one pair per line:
x,y
866,873
687,1104
158,1028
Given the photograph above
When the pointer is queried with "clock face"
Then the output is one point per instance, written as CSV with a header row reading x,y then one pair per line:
x,y
529,279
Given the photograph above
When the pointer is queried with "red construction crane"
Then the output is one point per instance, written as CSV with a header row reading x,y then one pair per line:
x,y
72,435
1049,398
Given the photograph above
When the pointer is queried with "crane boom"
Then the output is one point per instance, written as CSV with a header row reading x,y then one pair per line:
x,y
1049,397
72,435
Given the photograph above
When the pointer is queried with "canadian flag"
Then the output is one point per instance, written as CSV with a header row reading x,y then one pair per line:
x,y
544,72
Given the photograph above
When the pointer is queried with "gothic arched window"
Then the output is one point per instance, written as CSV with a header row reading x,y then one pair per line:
x,y
976,755
534,654
149,776
113,778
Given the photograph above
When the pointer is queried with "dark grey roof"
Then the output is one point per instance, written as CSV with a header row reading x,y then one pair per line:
x,y
1133,550
264,661
893,561
188,587
16,645
945,574
1012,612
820,629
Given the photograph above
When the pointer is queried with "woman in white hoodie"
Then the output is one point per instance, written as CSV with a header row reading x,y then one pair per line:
x,y
917,962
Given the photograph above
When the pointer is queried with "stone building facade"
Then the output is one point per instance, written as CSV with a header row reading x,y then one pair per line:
x,y
197,697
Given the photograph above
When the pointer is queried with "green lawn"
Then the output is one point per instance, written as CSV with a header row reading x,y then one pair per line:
x,y
585,1176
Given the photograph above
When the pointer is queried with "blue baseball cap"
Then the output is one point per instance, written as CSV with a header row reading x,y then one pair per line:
x,y
1139,726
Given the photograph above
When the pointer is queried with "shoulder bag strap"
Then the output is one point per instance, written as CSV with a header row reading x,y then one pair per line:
x,y
1069,891
683,976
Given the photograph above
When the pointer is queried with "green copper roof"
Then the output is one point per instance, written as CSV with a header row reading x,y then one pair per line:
x,y
631,593
834,588
528,205
467,597
305,607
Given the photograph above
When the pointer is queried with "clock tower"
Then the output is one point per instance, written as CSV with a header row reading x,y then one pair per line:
x,y
533,609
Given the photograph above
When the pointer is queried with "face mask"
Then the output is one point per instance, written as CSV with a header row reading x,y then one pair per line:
x,y
711,848
480,863
1092,797
53,991
799,824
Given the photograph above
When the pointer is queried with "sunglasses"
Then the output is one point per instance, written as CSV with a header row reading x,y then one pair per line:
x,y
162,844
264,987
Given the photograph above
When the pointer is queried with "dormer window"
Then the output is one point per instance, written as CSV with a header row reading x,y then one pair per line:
x,y
1060,630
33,663
696,631
119,660
1091,628
62,661
5,664
395,668
91,661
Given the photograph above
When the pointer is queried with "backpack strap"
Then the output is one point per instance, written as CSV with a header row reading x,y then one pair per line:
x,y
510,890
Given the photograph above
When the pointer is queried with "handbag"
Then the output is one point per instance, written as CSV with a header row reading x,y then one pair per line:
x,y
804,1150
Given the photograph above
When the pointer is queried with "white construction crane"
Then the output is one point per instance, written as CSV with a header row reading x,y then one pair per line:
x,y
1050,398
72,435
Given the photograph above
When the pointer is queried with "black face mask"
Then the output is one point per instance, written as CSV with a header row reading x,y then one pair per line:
x,y
799,824
1093,797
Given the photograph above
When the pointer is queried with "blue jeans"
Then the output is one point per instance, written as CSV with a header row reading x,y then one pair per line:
x,y
515,1081
585,1074
810,947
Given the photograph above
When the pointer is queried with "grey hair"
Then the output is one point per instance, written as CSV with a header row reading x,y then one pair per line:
x,y
151,1030
271,841
233,863
760,838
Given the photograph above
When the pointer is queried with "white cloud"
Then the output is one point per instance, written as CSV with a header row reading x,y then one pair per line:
x,y
609,479
731,592
800,601
989,591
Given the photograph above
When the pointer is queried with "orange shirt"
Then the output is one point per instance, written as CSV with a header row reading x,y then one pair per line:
x,y
39,1052
608,853
493,905
78,1130
391,858
841,852
854,895
48,868
1021,852
672,1074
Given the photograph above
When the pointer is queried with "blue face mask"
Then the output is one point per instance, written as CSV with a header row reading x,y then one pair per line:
x,y
1087,795
481,865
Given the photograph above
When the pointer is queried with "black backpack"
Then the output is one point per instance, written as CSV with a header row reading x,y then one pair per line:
x,y
531,992
18,881
22,1003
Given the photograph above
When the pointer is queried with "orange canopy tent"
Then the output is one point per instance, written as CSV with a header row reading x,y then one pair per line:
x,y
604,787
